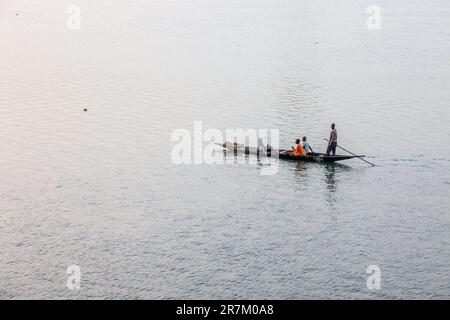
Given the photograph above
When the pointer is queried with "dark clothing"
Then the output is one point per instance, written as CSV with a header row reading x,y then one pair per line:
x,y
332,148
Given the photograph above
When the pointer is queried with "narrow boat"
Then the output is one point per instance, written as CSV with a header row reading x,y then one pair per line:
x,y
284,154
316,157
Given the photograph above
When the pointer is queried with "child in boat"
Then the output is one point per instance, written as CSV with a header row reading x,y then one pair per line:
x,y
299,150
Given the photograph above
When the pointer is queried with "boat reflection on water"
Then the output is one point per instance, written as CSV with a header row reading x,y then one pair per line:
x,y
308,175
325,176
333,172
330,177
301,167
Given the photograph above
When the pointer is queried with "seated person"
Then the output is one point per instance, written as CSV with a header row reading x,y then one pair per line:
x,y
299,151
307,146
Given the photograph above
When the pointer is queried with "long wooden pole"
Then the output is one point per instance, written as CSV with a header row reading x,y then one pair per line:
x,y
352,154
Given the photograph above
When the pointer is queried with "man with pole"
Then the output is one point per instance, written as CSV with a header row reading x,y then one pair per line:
x,y
332,143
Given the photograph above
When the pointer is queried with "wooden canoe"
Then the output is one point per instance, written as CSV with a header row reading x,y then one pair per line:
x,y
285,154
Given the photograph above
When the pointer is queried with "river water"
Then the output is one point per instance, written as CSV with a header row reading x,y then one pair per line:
x,y
99,189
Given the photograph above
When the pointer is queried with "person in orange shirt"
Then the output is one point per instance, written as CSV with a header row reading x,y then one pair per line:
x,y
299,150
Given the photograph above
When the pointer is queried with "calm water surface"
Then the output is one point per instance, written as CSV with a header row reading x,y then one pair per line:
x,y
98,189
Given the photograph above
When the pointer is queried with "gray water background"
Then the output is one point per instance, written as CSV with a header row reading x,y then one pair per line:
x,y
98,189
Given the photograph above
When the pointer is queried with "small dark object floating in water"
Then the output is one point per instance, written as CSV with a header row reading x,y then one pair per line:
x,y
85,110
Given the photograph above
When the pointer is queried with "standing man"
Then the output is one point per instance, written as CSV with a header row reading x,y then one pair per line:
x,y
332,144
